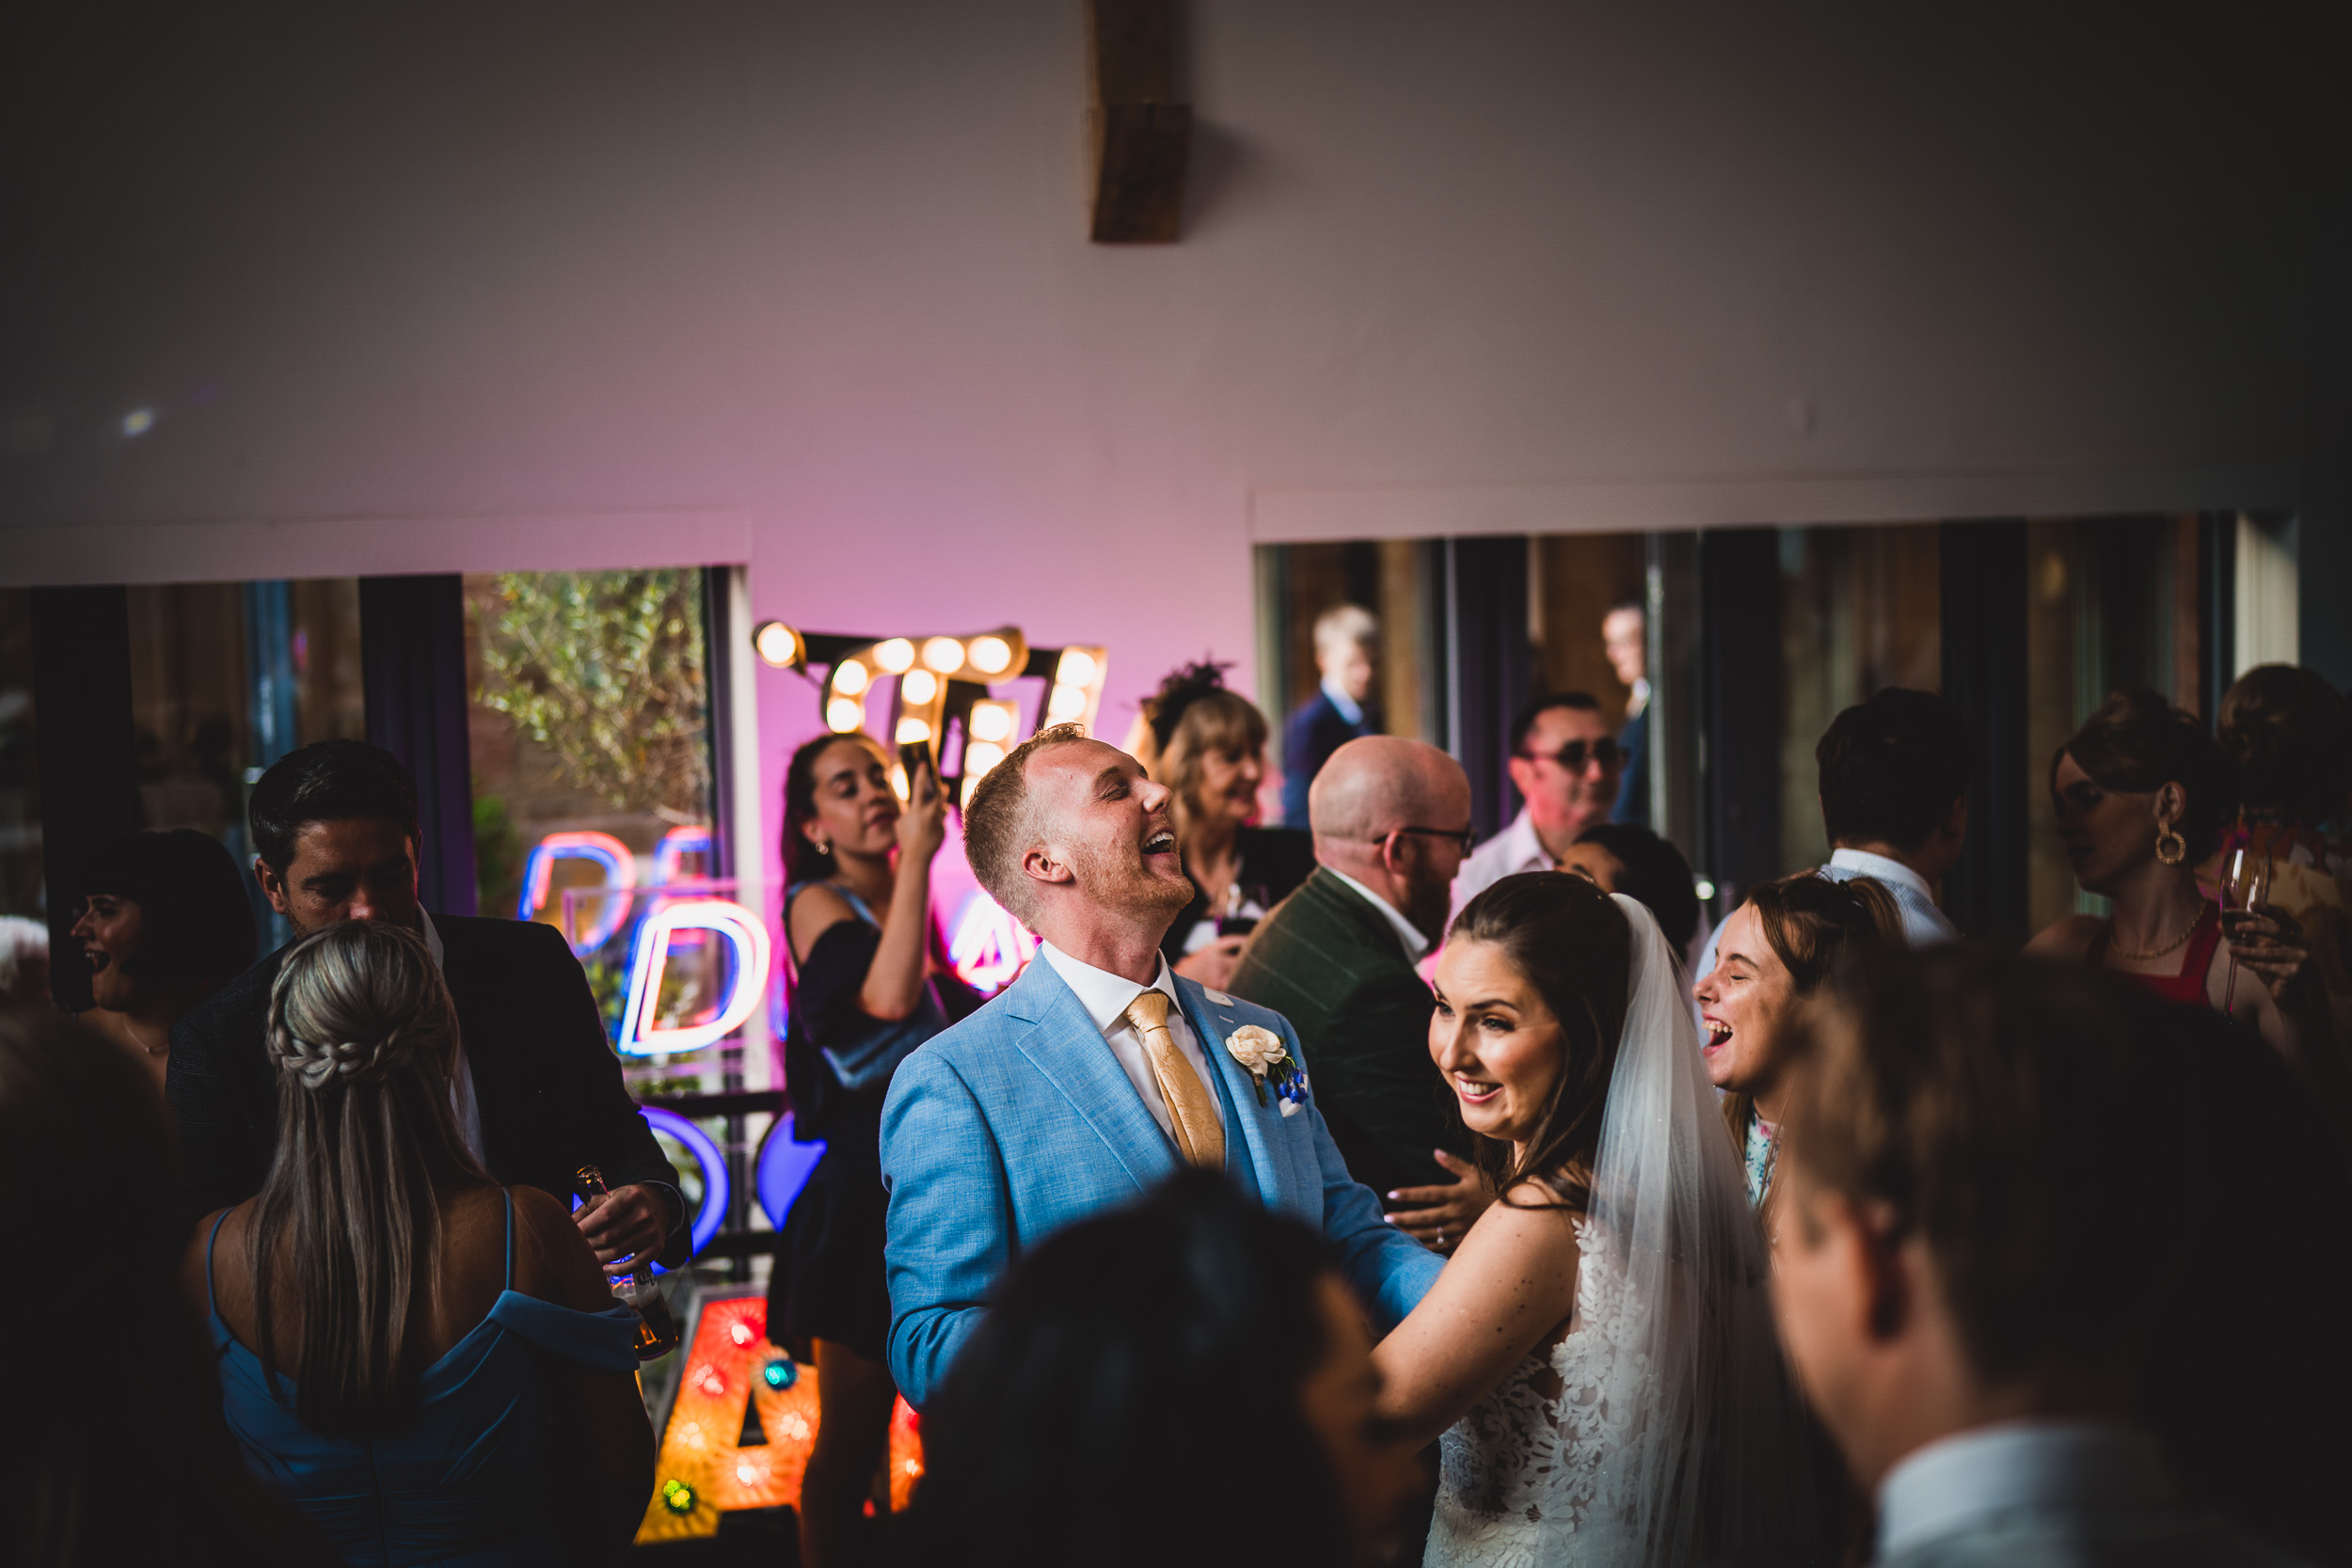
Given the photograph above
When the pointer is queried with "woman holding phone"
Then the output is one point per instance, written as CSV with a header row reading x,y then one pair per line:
x,y
857,915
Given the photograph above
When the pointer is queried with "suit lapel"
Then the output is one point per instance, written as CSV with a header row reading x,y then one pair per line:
x,y
1063,1044
1210,1025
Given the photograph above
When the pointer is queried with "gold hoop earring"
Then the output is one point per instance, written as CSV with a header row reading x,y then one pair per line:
x,y
824,845
2171,848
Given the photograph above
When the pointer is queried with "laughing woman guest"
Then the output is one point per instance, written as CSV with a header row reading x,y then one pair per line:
x,y
1208,745
2141,793
1774,952
168,923
857,908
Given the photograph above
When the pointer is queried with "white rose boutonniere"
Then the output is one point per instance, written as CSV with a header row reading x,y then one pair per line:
x,y
1268,1059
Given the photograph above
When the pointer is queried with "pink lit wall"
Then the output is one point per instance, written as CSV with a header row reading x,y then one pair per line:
x,y
805,285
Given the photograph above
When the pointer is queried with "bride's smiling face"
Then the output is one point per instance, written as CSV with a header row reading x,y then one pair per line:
x,y
1495,1041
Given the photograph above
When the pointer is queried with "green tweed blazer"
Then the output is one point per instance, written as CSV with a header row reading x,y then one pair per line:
x,y
1330,962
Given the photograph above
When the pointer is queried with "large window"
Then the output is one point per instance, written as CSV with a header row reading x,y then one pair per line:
x,y
226,678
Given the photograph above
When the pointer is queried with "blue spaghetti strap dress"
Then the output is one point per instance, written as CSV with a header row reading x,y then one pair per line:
x,y
460,1485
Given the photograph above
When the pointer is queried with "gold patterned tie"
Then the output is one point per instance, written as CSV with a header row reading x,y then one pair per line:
x,y
1199,1129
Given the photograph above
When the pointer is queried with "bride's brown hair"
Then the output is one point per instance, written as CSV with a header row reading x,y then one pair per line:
x,y
1572,943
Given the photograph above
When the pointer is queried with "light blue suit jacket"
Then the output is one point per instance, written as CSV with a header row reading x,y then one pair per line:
x,y
1018,1120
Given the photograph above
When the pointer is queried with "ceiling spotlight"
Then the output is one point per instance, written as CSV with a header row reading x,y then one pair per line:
x,y
979,757
777,644
895,656
917,686
845,714
849,677
992,723
942,654
914,732
1077,668
991,655
1068,701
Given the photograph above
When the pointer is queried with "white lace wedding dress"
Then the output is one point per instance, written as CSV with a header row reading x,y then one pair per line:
x,y
1527,1464
1662,1431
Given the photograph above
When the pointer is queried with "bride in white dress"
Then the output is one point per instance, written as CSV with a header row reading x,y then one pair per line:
x,y
1600,1353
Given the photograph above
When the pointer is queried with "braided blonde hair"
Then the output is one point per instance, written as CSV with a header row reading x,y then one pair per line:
x,y
362,1036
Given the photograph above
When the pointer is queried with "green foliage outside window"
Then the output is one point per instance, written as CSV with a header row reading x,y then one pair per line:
x,y
605,668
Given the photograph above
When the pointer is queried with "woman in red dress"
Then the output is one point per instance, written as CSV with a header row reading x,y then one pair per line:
x,y
2141,793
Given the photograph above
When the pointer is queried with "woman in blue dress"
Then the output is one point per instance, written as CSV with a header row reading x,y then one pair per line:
x,y
430,1366
857,912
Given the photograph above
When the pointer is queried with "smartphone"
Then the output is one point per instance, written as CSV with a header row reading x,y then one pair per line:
x,y
914,761
1236,926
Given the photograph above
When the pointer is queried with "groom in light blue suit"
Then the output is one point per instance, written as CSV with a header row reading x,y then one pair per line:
x,y
1069,1094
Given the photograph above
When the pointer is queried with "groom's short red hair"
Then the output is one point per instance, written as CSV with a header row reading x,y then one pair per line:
x,y
996,830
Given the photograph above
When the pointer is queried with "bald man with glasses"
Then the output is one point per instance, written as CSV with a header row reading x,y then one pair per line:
x,y
1391,825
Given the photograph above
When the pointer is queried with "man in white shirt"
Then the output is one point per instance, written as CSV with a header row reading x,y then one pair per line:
x,y
1970,1258
1894,778
1564,763
1097,1074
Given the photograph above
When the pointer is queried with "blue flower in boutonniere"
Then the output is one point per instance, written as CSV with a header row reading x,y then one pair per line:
x,y
1268,1059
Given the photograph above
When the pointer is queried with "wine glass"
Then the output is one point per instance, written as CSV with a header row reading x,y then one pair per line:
x,y
2245,884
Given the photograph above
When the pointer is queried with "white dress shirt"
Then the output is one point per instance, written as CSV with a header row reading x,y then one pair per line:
x,y
1414,942
1924,925
2045,1491
1349,708
1105,997
1513,850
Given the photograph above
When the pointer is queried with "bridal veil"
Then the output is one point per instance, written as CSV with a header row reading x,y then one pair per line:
x,y
1682,1441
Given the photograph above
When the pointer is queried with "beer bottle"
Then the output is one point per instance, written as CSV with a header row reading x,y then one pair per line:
x,y
658,1331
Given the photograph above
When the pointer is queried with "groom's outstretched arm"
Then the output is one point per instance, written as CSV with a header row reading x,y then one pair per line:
x,y
1389,1269
950,1219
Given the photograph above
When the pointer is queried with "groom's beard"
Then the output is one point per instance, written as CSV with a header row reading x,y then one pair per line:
x,y
1118,880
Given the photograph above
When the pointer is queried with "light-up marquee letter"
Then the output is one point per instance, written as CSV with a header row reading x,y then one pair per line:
x,y
642,1034
620,876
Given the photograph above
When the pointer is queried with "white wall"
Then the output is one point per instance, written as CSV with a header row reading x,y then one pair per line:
x,y
817,270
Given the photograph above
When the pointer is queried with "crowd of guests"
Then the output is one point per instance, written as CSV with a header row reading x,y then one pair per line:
x,y
1325,1192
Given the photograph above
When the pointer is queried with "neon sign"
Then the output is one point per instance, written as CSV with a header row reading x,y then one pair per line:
x,y
716,1189
675,847
990,946
642,1034
620,875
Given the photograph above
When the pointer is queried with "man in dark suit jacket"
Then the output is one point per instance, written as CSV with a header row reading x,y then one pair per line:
x,y
1391,820
1342,711
538,1091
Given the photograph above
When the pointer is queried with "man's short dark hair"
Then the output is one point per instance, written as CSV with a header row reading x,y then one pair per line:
x,y
1892,766
1634,602
1524,724
331,781
2000,1109
1655,873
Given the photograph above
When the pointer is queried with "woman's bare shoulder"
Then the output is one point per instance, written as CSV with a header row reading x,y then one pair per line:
x,y
552,1259
2068,937
816,910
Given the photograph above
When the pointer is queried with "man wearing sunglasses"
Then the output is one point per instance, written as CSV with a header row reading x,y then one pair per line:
x,y
1565,762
